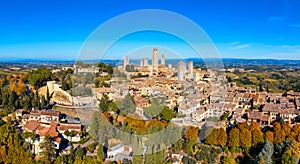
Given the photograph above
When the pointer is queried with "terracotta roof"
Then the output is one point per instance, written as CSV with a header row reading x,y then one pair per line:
x,y
284,112
51,131
269,107
256,97
32,125
65,127
245,95
57,139
258,116
254,115
264,118
40,128
25,116
50,113
103,90
19,111
35,113
261,100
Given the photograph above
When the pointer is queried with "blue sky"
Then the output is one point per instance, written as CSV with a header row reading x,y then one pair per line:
x,y
239,29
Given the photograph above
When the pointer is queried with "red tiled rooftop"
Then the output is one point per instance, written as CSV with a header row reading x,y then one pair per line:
x,y
57,139
50,113
65,127
51,131
19,111
32,125
103,90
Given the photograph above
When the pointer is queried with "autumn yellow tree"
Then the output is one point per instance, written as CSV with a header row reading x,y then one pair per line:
x,y
222,137
16,84
211,139
244,125
257,134
286,128
276,126
279,133
269,136
234,138
191,133
245,138
292,153
254,125
292,136
296,130
137,125
257,137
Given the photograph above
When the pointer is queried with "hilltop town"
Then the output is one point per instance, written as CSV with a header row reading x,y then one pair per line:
x,y
68,108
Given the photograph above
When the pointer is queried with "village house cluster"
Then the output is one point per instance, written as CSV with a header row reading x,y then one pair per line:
x,y
199,94
47,123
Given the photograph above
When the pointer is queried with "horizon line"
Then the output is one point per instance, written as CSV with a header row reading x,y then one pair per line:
x,y
62,60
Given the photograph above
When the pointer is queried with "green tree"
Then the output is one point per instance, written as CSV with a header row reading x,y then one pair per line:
x,y
100,128
79,152
5,97
32,99
137,159
130,68
28,135
167,113
48,150
153,110
71,156
188,160
12,98
128,105
39,77
11,146
37,100
126,161
61,159
260,89
265,156
48,94
0,94
43,102
95,126
100,152
26,104
228,160
104,103
292,152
